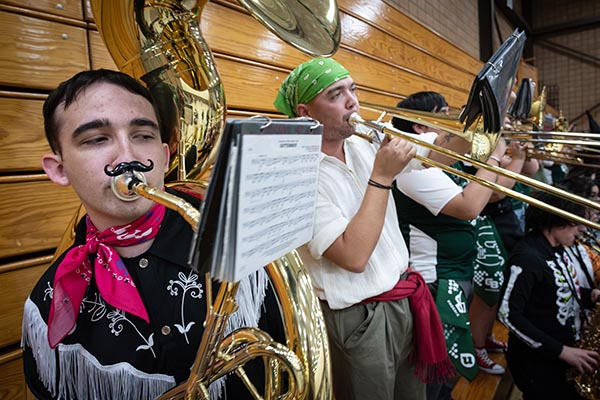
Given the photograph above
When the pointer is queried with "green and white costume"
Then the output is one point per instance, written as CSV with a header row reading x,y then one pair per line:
x,y
442,249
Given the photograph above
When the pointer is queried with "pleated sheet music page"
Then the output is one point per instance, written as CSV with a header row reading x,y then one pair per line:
x,y
277,197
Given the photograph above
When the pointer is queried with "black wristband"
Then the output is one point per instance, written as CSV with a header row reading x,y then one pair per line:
x,y
379,185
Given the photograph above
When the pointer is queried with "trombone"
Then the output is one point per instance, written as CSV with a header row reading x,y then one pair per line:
x,y
356,120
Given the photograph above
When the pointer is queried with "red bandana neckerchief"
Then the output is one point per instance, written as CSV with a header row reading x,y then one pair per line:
x,y
114,283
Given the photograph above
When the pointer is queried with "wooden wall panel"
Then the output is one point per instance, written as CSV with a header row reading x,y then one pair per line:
x,y
99,55
12,381
22,138
15,286
397,24
62,8
33,216
38,53
226,29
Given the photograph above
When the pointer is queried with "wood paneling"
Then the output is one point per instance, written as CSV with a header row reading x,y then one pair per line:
x,y
62,8
37,53
33,216
12,381
413,33
375,42
22,138
100,57
15,287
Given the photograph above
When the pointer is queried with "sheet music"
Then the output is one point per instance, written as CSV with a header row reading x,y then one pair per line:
x,y
277,197
224,250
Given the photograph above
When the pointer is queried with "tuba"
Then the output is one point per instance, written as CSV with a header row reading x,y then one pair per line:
x,y
160,43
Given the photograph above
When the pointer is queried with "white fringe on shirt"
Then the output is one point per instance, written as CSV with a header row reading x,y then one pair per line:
x,y
82,375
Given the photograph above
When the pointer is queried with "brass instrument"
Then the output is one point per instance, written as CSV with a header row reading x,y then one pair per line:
x,y
588,383
161,44
590,240
558,145
356,121
448,123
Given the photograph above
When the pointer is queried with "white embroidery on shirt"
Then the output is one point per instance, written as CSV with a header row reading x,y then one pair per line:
x,y
188,285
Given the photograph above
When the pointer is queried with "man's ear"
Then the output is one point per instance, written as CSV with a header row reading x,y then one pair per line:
x,y
302,110
52,165
167,156
418,128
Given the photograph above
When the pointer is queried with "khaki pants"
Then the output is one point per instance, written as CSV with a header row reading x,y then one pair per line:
x,y
370,346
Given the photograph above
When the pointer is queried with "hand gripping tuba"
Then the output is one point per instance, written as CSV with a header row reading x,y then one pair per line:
x,y
160,43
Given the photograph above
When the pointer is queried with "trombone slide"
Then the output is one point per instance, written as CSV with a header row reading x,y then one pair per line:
x,y
356,120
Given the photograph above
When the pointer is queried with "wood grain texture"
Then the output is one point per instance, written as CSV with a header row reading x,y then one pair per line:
x,y
99,55
62,8
39,54
15,287
33,216
12,381
22,138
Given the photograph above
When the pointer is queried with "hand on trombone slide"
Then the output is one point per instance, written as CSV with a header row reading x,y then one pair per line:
x,y
393,155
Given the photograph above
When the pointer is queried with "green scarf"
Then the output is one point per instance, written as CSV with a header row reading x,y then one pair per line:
x,y
488,277
306,81
452,306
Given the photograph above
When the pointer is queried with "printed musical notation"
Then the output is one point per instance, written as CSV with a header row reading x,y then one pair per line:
x,y
261,199
278,185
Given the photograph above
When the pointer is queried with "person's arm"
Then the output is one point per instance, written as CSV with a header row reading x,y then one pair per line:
x,y
531,165
354,247
470,202
525,272
450,142
514,163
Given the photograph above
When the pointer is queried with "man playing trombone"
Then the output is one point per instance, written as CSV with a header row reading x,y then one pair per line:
x,y
357,257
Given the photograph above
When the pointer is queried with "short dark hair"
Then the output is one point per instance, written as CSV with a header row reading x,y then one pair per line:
x,y
420,101
68,91
580,185
539,220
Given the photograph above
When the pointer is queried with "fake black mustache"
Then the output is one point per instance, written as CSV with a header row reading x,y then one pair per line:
x,y
124,167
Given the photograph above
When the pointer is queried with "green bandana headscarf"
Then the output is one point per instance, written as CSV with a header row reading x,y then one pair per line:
x,y
306,81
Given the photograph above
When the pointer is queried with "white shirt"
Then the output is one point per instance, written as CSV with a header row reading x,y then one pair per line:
x,y
433,189
341,189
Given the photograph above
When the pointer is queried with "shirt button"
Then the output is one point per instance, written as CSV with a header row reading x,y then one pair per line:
x,y
165,330
143,262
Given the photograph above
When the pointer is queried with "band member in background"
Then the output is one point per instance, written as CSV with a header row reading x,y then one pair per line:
x,y
542,305
439,217
357,258
120,314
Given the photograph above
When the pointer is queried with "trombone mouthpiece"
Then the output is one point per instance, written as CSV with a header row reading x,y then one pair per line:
x,y
355,120
123,186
